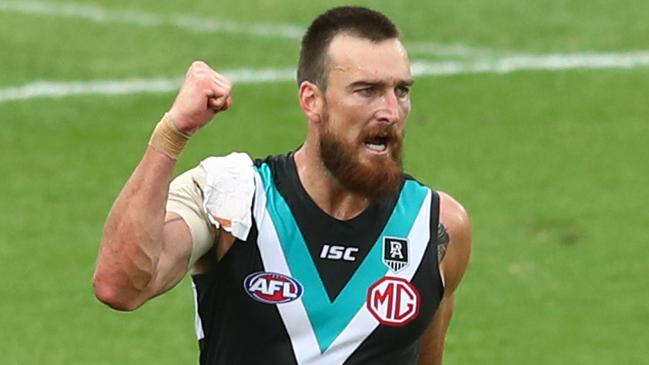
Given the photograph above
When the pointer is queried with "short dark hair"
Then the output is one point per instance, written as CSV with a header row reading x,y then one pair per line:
x,y
353,20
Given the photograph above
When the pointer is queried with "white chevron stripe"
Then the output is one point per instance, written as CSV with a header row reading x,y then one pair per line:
x,y
297,323
420,233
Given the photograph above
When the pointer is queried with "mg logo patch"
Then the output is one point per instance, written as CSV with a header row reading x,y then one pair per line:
x,y
393,301
395,253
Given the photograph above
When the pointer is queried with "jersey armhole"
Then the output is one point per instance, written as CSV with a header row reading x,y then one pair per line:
x,y
434,224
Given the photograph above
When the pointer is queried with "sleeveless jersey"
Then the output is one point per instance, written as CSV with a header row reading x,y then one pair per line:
x,y
306,288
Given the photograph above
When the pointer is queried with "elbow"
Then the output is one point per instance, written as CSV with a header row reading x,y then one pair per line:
x,y
113,296
118,282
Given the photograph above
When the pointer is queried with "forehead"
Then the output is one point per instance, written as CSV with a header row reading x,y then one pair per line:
x,y
352,59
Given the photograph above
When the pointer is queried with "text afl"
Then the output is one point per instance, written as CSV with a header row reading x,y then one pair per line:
x,y
272,288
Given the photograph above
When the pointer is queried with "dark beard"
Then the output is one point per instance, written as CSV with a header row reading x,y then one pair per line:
x,y
375,179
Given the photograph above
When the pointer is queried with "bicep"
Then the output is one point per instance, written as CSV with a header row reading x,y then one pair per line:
x,y
175,254
186,234
186,201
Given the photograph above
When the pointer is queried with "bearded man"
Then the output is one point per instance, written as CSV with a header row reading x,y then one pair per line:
x,y
328,254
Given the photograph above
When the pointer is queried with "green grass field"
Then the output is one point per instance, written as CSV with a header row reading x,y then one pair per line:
x,y
549,164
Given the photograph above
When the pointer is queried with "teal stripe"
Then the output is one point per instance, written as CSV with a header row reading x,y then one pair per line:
x,y
328,319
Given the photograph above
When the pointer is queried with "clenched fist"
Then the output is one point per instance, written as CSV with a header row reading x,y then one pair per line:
x,y
203,94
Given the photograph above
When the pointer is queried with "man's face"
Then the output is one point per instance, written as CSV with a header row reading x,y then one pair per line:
x,y
366,104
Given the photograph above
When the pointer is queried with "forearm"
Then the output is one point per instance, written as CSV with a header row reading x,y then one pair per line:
x,y
132,239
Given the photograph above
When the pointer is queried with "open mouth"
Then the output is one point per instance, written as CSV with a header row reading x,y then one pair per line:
x,y
377,143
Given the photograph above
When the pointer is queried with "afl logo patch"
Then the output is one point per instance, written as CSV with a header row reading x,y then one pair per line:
x,y
393,301
272,288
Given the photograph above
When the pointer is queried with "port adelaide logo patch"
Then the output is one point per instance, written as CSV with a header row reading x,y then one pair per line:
x,y
395,253
272,288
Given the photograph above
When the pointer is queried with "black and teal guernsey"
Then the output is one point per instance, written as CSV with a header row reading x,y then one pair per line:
x,y
306,288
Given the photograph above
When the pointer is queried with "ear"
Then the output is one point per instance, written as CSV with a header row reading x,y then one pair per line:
x,y
311,101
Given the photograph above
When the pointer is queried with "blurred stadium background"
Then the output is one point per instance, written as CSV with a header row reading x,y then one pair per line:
x,y
533,114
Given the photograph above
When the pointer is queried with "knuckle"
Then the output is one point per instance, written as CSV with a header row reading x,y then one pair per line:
x,y
198,64
202,77
202,80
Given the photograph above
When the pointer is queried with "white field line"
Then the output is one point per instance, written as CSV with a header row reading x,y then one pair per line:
x,y
528,62
447,49
186,22
132,86
503,65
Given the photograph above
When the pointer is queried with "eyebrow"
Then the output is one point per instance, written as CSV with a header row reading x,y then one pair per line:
x,y
406,82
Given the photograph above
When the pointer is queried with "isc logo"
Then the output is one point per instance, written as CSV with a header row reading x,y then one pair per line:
x,y
393,301
335,252
272,288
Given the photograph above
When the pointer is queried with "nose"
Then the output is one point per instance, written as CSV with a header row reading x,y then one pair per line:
x,y
389,111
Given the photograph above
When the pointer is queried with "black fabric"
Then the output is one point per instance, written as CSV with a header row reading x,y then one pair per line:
x,y
238,330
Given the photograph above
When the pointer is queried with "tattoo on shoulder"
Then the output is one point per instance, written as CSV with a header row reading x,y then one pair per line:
x,y
442,241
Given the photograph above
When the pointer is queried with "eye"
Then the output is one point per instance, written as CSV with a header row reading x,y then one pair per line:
x,y
402,91
367,91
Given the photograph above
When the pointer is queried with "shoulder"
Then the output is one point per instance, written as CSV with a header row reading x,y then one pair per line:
x,y
455,220
452,214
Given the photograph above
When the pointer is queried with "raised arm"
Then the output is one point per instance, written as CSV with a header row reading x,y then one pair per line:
x,y
454,250
144,251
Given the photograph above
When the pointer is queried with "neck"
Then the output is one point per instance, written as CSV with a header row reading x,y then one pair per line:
x,y
323,188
